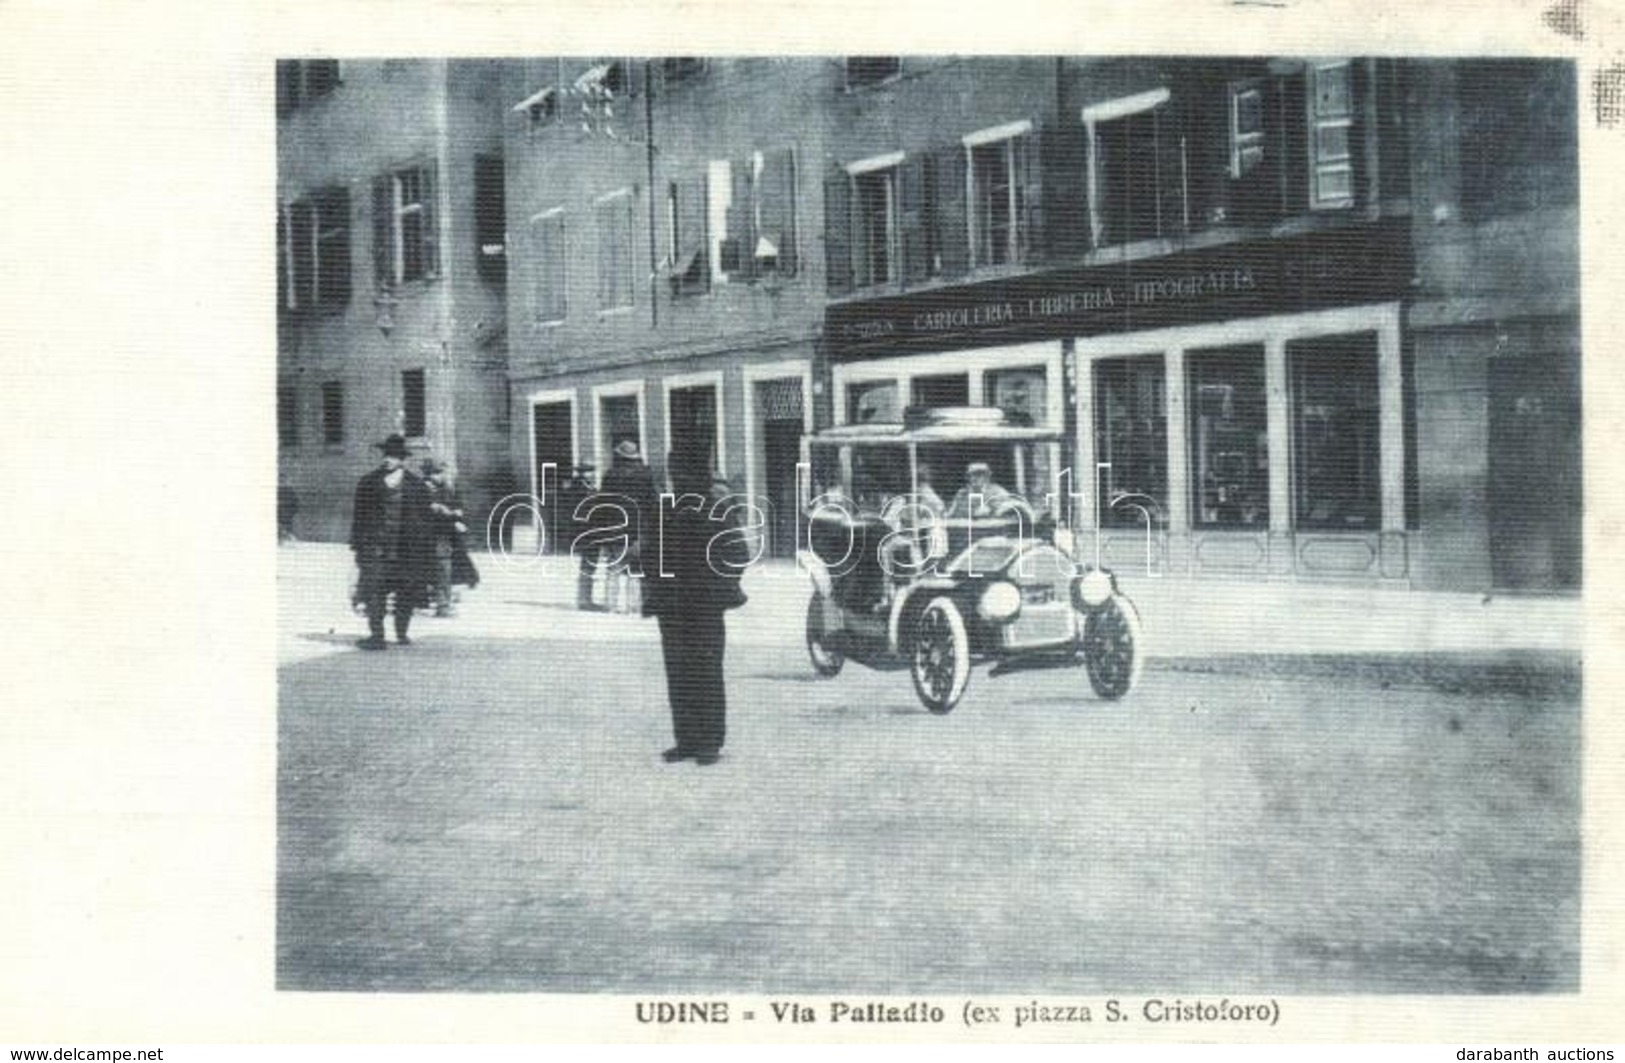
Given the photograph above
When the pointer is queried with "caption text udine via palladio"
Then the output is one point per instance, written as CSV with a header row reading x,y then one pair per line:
x,y
1157,1010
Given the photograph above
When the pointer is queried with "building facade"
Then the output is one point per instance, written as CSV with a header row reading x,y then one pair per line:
x,y
1317,318
391,277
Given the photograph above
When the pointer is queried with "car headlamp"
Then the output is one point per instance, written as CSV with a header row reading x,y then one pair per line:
x,y
1001,601
1092,590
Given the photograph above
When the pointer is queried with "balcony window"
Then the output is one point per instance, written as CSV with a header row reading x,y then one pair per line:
x,y
1004,186
1136,170
315,247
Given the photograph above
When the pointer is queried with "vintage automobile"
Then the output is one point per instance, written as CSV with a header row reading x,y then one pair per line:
x,y
903,579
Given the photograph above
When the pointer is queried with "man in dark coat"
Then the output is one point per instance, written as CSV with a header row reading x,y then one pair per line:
x,y
392,535
693,562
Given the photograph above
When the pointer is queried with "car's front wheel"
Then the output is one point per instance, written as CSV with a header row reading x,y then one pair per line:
x,y
1113,647
825,661
940,656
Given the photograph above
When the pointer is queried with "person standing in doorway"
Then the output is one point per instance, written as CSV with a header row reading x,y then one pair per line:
x,y
392,537
693,562
631,485
447,518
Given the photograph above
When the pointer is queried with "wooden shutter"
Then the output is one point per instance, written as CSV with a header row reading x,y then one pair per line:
x,y
428,188
953,227
912,219
838,231
383,231
1171,176
281,259
740,227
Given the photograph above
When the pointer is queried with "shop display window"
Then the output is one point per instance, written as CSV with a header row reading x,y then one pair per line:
x,y
1131,439
1229,438
1335,447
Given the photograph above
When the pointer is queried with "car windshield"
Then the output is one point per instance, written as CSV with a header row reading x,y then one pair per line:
x,y
871,475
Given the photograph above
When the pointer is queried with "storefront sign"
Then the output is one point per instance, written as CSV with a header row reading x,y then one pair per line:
x,y
1284,275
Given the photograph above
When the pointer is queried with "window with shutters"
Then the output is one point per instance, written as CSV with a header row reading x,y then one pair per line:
x,y
300,82
613,215
332,413
314,238
550,271
1136,170
406,235
1004,187
874,197
1296,141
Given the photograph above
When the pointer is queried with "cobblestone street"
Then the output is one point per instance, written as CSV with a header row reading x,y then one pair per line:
x,y
487,811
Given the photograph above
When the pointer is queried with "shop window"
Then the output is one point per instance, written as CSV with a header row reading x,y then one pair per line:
x,y
406,244
490,219
1229,438
863,71
551,267
1336,458
414,404
1137,169
614,220
287,416
1023,394
1131,439
333,413
316,246
873,402
1004,179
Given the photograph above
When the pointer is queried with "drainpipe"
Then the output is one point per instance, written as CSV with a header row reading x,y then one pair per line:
x,y
649,155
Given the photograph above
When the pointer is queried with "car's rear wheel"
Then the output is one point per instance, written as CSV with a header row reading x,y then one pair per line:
x,y
825,661
1113,647
940,656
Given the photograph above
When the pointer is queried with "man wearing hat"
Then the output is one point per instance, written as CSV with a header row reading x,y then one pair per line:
x,y
392,535
980,496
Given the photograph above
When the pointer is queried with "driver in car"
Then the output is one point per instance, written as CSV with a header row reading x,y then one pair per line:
x,y
980,496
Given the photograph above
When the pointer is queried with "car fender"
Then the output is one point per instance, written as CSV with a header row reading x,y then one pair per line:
x,y
929,586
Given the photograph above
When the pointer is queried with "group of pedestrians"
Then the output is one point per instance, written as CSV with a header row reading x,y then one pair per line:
x,y
680,556
409,541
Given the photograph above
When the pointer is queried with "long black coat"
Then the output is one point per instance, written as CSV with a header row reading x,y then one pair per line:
x,y
693,561
414,566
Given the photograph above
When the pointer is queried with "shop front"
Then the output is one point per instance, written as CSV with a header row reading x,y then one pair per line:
x,y
1239,410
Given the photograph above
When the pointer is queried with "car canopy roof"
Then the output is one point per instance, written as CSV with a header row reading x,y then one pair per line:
x,y
958,424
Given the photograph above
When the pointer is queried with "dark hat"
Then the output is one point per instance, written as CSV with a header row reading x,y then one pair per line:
x,y
394,446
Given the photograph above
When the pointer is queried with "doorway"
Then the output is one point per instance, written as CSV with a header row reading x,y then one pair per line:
x,y
553,443
1535,501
